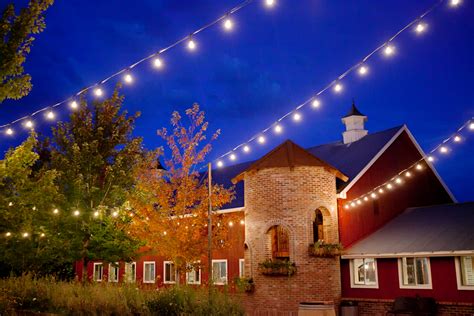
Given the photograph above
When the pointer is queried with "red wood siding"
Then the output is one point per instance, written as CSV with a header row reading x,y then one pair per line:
x,y
420,190
443,276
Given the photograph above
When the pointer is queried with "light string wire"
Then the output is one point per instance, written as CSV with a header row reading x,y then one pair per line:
x,y
124,70
314,100
411,170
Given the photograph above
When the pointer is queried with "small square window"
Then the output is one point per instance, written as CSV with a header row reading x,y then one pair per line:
x,y
415,273
114,272
170,272
149,272
98,271
219,272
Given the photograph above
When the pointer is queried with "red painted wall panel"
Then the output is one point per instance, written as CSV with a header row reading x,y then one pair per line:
x,y
420,190
443,276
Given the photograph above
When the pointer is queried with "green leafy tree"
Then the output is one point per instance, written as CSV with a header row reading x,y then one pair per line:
x,y
16,38
95,155
28,240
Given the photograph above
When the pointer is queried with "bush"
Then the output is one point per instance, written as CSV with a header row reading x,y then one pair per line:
x,y
72,298
325,250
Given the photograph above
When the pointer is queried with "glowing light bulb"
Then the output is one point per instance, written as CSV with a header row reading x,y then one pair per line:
x,y
297,117
25,235
278,129
353,204
381,191
228,24
389,186
242,222
191,45
9,131
346,206
98,92
269,3
232,157
455,3
419,167
131,214
457,138
10,204
408,174
55,211
443,149
8,234
246,149
430,158
316,103
115,214
389,50
73,105
363,70
231,224
96,214
337,87
34,208
220,164
398,181
261,140
373,195
29,124
359,202
366,198
128,78
471,126
42,235
157,62
76,213
165,233
420,28
50,115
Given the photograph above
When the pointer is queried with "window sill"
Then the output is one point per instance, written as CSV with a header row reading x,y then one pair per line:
x,y
416,287
364,286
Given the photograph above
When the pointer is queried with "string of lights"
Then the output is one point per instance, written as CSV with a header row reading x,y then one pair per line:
x,y
388,49
444,148
127,77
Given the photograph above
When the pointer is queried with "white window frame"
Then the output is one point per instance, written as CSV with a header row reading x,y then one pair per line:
x,y
459,275
193,271
145,263
241,268
113,266
428,286
164,272
226,270
128,277
101,272
353,274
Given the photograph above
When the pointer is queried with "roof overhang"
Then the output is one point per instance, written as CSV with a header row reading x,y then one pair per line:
x,y
446,253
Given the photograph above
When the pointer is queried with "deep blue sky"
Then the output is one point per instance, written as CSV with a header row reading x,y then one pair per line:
x,y
273,60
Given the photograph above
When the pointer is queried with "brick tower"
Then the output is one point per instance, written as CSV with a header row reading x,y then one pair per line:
x,y
290,202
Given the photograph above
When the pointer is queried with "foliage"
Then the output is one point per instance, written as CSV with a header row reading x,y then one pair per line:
x,y
49,295
16,38
95,155
245,284
26,197
323,249
277,267
172,205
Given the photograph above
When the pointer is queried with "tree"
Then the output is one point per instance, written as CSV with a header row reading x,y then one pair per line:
x,y
172,205
16,38
95,155
26,197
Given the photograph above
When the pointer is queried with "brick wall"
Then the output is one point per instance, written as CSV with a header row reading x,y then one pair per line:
x,y
289,198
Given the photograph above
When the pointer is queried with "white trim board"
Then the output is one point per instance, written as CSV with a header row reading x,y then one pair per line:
x,y
343,193
410,254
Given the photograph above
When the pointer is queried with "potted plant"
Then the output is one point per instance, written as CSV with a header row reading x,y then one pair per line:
x,y
245,284
325,250
277,267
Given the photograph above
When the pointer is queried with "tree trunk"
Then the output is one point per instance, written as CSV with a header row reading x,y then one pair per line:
x,y
84,257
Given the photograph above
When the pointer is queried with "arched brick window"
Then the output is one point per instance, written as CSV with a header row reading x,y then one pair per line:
x,y
280,242
318,226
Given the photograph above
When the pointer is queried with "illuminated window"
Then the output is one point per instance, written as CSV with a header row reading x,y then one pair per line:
x,y
318,228
149,272
364,273
415,273
219,271
280,243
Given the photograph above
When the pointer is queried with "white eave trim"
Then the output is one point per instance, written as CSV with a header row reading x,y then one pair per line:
x,y
230,210
343,193
454,253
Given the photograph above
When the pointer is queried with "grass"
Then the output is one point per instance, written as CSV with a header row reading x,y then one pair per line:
x,y
73,298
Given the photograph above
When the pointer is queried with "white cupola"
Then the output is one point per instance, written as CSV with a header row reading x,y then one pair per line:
x,y
355,125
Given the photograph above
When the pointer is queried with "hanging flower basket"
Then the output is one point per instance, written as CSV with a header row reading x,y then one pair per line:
x,y
277,267
322,249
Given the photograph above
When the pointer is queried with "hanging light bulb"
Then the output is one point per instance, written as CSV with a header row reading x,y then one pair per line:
x,y
9,131
8,234
231,223
346,206
381,191
115,214
366,198
363,70
246,149
73,105
191,44
430,158
373,195
337,87
359,202
228,24
25,235
389,186
55,211
269,3
42,235
128,78
29,124
420,28
76,213
261,140
443,149
96,214
471,126
419,167
408,174
455,3
165,233
10,203
242,222
220,164
278,129
316,103
98,92
389,50
157,63
232,157
297,117
457,138
398,181
50,115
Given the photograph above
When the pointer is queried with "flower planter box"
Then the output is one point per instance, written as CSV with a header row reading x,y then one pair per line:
x,y
277,268
324,250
